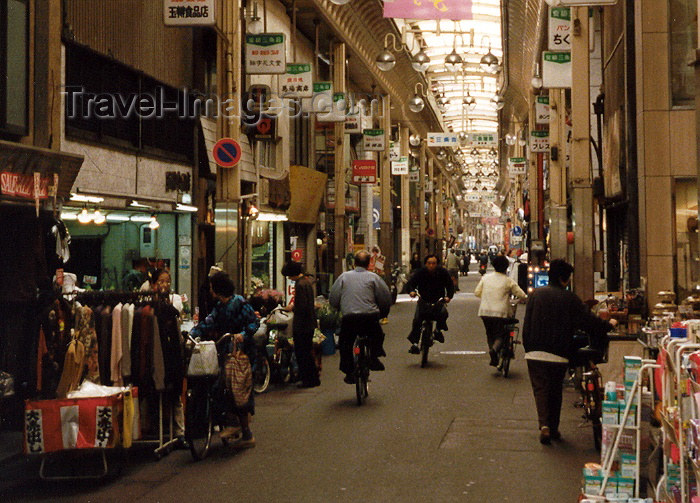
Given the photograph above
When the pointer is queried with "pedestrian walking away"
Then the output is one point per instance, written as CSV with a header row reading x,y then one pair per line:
x,y
363,299
434,283
303,323
552,316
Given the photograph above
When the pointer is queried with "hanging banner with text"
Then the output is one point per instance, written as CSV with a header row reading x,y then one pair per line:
x,y
399,166
539,141
559,29
542,110
483,140
265,53
437,9
442,140
189,12
556,69
364,171
517,165
297,82
374,140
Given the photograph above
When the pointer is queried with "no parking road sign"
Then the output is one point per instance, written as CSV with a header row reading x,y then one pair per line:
x,y
227,152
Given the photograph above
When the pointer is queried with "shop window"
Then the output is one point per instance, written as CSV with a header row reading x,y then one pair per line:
x,y
265,154
686,212
14,66
93,80
683,31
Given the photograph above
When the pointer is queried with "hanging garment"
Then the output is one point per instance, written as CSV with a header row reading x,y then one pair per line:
x,y
72,368
116,353
158,363
85,333
127,325
104,339
171,343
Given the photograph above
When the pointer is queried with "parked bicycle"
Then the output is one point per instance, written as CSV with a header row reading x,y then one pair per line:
x,y
427,333
204,403
360,351
275,360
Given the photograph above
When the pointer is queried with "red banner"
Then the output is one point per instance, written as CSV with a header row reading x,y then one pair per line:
x,y
364,171
429,9
14,184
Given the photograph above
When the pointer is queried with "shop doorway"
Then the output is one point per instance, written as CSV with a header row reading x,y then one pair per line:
x,y
86,261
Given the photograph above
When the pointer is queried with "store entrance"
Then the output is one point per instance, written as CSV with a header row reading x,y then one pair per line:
x,y
86,261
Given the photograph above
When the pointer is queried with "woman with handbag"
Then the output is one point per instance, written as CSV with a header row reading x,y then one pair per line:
x,y
232,314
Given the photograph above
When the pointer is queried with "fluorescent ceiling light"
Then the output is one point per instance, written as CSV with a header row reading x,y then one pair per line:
x,y
140,218
137,204
271,217
117,217
86,199
185,207
69,216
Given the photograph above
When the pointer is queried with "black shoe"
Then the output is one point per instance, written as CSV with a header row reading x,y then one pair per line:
x,y
181,443
438,336
414,349
312,384
545,436
349,379
494,358
376,365
555,435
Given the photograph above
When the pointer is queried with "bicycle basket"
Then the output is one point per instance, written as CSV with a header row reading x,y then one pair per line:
x,y
204,360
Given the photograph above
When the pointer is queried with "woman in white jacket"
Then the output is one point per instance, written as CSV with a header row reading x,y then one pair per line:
x,y
495,290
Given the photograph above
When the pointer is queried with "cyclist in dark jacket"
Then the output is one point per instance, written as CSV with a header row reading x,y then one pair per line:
x,y
433,282
552,316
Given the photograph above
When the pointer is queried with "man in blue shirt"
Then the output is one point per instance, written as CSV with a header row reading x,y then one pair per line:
x,y
363,298
232,314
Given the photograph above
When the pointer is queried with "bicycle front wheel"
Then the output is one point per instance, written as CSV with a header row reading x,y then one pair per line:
x,y
261,374
361,374
425,346
198,418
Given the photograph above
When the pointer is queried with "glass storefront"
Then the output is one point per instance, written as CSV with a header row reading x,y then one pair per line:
x,y
683,30
686,214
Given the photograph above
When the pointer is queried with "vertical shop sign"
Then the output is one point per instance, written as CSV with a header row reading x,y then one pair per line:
x,y
265,53
364,171
189,12
556,69
517,165
542,110
297,82
539,141
322,100
413,172
374,140
559,29
394,151
336,113
400,166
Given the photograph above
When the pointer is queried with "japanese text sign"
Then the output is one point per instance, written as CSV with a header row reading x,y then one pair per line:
x,y
517,165
400,166
265,53
322,97
539,141
542,110
297,82
559,29
374,140
189,12
428,9
364,171
442,140
556,69
483,140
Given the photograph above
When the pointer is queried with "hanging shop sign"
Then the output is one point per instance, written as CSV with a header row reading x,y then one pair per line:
x,y
374,140
335,113
256,99
539,141
400,166
24,186
265,53
517,165
442,140
297,82
556,69
489,198
559,29
322,99
473,197
364,171
263,128
428,185
189,12
483,140
542,110
436,9
413,172
394,151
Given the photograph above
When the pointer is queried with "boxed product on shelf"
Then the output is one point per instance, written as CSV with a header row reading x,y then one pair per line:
x,y
611,412
628,465
592,484
631,417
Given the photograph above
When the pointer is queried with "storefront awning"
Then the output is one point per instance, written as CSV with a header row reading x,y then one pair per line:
x,y
22,159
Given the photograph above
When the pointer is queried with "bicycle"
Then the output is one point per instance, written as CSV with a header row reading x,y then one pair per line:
x,y
360,352
585,364
274,360
427,333
510,340
204,400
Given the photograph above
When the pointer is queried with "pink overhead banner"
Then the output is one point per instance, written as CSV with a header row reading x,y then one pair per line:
x,y
428,9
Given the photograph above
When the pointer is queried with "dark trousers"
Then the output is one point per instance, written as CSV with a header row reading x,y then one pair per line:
x,y
547,381
423,312
353,325
303,350
495,331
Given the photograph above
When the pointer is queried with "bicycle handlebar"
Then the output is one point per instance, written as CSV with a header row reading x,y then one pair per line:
x,y
442,300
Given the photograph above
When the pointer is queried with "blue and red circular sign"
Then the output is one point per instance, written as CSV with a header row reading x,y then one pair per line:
x,y
227,152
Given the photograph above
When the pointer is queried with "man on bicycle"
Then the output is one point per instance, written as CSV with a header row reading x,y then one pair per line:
x,y
232,314
363,298
433,282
